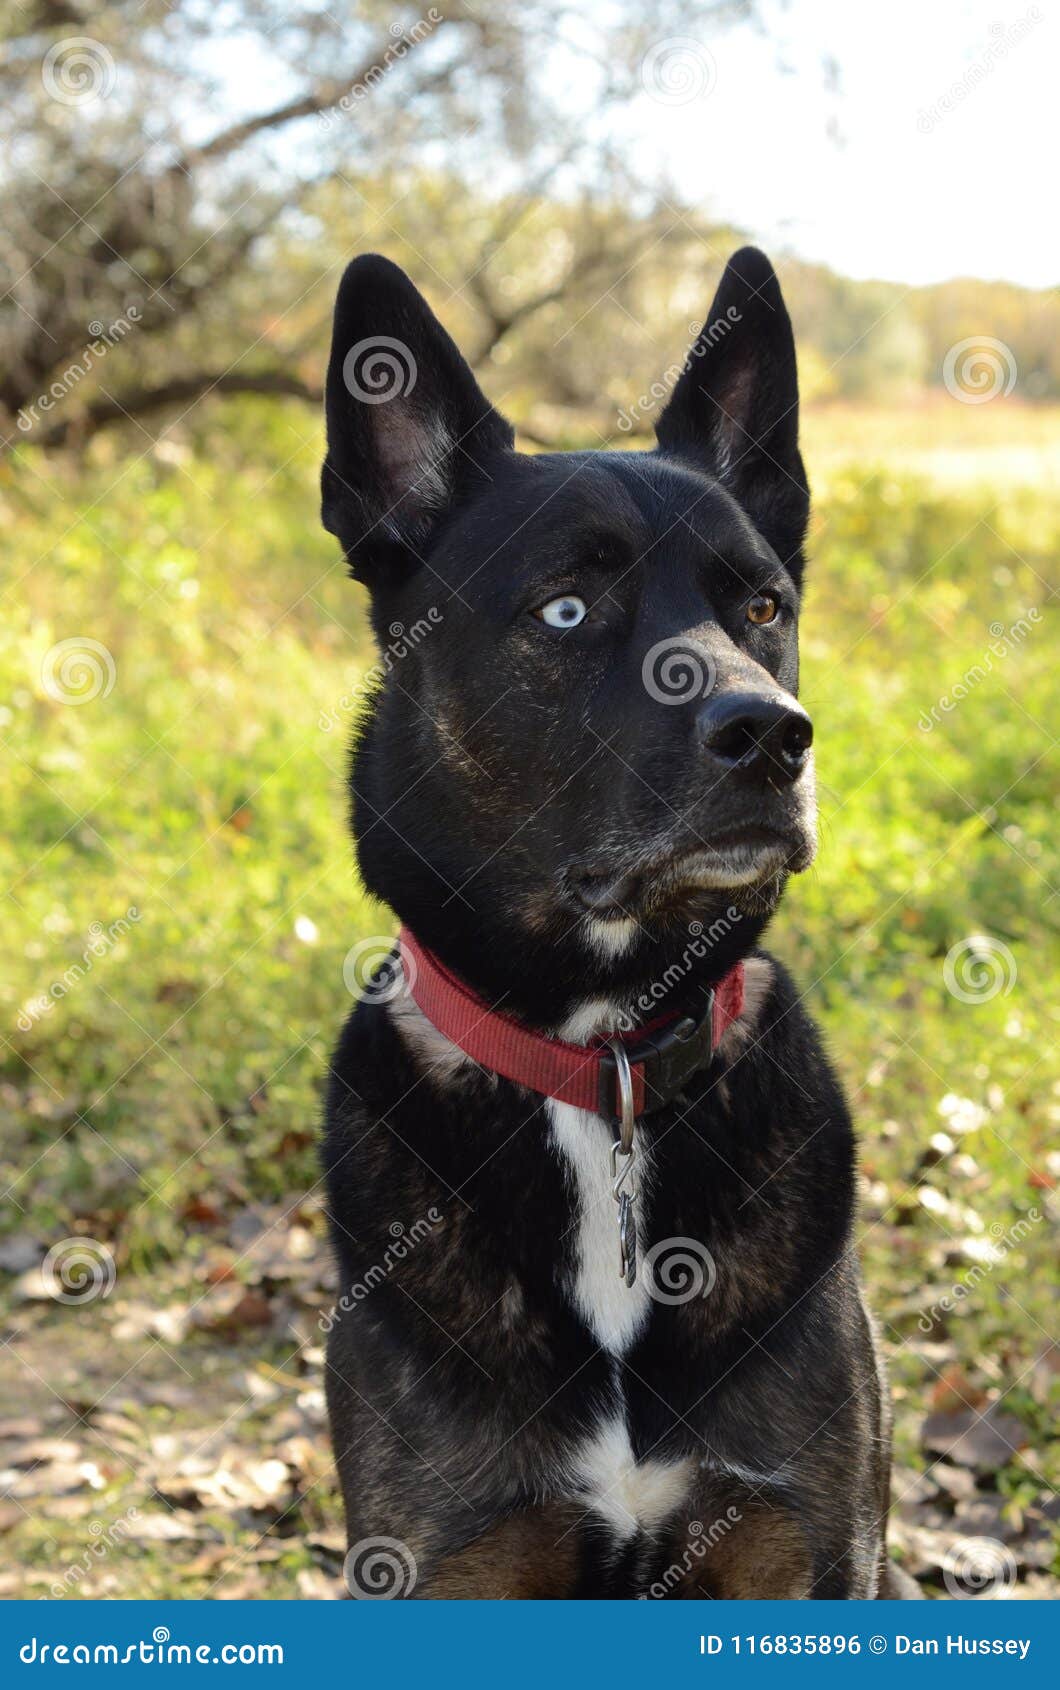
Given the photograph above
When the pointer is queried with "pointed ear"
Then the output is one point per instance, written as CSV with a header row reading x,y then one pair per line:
x,y
408,428
735,409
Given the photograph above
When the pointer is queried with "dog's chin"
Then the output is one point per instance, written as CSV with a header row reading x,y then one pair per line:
x,y
749,871
746,869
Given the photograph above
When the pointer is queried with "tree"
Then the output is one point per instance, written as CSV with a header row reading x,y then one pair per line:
x,y
163,152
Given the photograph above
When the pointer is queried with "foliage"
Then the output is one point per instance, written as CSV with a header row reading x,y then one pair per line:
x,y
162,151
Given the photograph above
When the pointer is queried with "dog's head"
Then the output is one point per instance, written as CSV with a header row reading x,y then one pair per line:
x,y
586,734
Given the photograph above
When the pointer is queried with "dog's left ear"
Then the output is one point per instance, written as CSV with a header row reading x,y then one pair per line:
x,y
735,409
408,427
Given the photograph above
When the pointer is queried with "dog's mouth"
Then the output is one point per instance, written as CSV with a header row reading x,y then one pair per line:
x,y
736,860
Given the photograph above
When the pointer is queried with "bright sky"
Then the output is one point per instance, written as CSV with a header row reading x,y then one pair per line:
x,y
932,152
911,191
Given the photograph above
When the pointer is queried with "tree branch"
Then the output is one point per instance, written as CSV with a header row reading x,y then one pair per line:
x,y
315,100
180,390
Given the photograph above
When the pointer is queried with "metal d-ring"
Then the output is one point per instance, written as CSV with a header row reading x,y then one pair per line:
x,y
627,1114
623,1145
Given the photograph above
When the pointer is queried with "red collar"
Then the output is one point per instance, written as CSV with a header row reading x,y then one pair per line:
x,y
662,1059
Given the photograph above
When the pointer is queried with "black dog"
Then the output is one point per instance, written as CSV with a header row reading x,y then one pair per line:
x,y
619,1348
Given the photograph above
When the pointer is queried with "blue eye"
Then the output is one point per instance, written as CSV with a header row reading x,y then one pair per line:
x,y
565,612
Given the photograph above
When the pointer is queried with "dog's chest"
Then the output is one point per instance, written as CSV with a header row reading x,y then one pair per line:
x,y
603,1473
628,1495
616,1313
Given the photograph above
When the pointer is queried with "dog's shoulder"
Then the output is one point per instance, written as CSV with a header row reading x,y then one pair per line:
x,y
777,1030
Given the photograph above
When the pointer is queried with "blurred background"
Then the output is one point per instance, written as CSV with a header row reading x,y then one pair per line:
x,y
182,657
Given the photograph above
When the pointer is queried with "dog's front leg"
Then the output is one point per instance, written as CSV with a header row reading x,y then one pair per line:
x,y
531,1555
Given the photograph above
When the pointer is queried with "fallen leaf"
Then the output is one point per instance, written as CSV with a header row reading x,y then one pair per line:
x,y
21,1426
226,1308
985,1441
209,1560
46,1449
316,1586
957,1482
20,1251
56,1478
982,1517
164,1528
953,1389
922,1551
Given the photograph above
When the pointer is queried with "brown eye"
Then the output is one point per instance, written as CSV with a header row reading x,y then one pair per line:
x,y
762,608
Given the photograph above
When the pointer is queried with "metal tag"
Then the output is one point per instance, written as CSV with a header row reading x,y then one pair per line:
x,y
627,1239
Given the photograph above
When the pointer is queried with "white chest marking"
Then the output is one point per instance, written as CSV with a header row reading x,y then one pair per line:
x,y
614,1311
627,1495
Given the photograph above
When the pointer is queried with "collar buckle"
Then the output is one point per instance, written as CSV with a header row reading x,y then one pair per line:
x,y
668,1058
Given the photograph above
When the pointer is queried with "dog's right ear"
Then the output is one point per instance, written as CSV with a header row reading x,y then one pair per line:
x,y
409,429
735,409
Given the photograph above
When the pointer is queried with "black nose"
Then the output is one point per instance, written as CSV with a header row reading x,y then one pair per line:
x,y
759,736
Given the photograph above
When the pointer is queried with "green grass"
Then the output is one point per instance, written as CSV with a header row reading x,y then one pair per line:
x,y
201,792
183,1067
929,837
